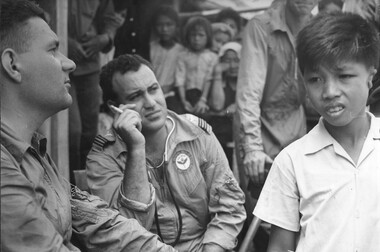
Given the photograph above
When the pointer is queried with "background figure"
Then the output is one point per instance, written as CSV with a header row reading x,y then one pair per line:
x,y
195,66
133,37
91,29
233,19
164,51
222,96
221,34
270,92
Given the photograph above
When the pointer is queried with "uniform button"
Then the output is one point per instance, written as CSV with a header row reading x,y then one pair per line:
x,y
131,19
133,34
133,50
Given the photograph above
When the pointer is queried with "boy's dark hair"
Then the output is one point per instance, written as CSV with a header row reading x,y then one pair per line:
x,y
13,17
229,13
194,22
121,64
337,37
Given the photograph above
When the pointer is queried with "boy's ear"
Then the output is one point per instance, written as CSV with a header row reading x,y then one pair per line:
x,y
372,73
10,64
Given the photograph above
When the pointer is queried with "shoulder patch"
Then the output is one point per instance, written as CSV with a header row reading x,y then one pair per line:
x,y
99,142
199,122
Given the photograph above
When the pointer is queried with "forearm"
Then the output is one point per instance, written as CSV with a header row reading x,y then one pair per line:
x,y
217,95
135,184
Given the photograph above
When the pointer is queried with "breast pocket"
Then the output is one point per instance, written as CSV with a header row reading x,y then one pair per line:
x,y
187,169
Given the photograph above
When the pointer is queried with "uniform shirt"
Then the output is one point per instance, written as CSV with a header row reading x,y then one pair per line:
x,y
209,198
88,18
269,90
314,187
195,69
38,212
164,62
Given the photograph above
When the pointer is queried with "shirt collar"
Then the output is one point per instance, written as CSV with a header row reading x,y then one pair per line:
x,y
322,138
18,147
277,17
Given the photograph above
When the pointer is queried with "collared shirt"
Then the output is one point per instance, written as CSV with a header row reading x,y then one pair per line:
x,y
39,209
195,69
314,187
208,196
269,90
165,62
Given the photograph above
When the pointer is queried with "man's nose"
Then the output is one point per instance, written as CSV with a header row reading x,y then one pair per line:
x,y
67,64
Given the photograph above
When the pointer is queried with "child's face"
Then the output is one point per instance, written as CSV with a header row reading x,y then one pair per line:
x,y
231,23
230,61
165,28
219,39
198,39
339,93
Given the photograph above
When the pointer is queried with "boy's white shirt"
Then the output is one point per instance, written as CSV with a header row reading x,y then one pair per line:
x,y
314,185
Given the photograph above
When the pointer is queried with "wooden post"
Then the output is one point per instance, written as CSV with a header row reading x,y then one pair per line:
x,y
56,128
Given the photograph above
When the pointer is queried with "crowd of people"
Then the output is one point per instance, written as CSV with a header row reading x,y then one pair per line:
x,y
289,98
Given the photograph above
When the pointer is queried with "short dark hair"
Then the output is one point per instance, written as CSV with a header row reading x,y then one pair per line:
x,y
194,22
335,37
122,64
13,17
229,13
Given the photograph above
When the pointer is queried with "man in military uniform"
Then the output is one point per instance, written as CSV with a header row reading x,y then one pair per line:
x,y
168,171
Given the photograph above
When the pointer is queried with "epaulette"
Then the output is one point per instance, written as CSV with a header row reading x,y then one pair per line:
x,y
199,122
99,142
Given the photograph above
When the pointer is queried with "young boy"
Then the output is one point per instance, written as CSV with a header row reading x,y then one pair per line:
x,y
323,191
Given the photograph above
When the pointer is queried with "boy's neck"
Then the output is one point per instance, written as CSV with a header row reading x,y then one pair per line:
x,y
352,136
167,43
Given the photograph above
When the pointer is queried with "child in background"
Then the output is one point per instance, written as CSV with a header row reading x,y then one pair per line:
x,y
164,52
195,66
221,34
322,192
232,19
222,95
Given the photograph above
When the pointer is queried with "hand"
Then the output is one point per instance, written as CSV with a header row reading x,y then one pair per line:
x,y
201,107
128,125
231,109
95,44
76,51
188,106
254,166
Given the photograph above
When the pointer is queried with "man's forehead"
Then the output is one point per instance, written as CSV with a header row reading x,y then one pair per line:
x,y
144,76
39,27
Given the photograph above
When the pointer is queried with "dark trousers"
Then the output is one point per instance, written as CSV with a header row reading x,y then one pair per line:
x,y
83,118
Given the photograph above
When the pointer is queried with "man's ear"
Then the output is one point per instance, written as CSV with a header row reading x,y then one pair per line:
x,y
10,64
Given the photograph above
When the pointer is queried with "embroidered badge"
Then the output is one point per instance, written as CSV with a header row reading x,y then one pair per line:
x,y
182,161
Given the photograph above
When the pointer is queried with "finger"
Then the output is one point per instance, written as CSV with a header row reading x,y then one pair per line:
x,y
261,171
255,173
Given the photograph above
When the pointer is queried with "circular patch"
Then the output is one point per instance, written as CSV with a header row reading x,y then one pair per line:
x,y
182,161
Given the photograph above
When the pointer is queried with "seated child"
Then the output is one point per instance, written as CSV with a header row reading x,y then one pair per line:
x,y
164,52
322,192
232,19
195,66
